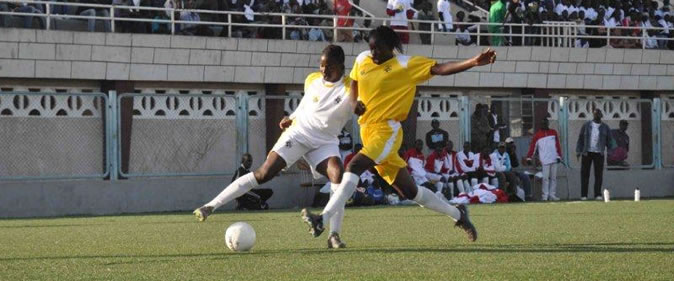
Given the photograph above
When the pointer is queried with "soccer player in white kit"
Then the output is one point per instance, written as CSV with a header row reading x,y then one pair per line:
x,y
309,132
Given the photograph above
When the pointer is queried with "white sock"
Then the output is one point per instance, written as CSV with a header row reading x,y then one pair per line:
x,y
336,220
342,193
460,186
235,189
495,182
425,198
450,185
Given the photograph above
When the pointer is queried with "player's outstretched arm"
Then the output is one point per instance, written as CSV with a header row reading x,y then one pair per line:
x,y
486,57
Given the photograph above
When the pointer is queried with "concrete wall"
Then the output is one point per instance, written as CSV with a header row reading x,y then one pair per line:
x,y
28,53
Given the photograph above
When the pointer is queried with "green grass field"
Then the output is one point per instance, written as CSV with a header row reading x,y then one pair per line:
x,y
620,240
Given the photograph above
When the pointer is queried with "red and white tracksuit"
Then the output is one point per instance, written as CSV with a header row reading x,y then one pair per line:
x,y
546,143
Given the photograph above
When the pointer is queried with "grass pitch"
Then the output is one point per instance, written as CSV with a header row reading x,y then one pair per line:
x,y
620,240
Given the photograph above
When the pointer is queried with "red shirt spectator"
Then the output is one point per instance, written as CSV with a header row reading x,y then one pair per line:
x,y
343,8
435,163
348,158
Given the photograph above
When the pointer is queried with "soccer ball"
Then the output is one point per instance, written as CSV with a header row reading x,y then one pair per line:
x,y
240,237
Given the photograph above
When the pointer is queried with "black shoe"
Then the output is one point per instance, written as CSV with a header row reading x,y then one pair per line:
x,y
335,242
465,224
315,222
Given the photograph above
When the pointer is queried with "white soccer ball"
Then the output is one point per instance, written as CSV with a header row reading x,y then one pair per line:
x,y
240,237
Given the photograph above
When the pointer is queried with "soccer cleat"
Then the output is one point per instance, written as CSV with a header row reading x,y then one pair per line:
x,y
203,213
583,198
335,242
554,198
598,198
315,222
465,224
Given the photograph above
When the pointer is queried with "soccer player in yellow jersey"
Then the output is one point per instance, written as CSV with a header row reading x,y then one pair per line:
x,y
385,83
310,133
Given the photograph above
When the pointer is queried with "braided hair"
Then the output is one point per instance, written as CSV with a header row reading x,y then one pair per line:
x,y
385,36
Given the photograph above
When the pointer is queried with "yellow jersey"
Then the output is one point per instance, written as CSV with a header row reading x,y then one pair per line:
x,y
388,89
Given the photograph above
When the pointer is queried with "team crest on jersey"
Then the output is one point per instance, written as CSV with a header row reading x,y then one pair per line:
x,y
338,100
315,99
388,68
289,144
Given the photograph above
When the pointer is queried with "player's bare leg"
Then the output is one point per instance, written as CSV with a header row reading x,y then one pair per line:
x,y
332,169
350,179
406,187
270,168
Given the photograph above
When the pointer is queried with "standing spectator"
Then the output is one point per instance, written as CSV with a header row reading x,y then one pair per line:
x,y
496,17
345,143
594,137
91,12
496,125
618,155
546,143
343,8
479,131
436,137
255,199
400,11
445,15
425,13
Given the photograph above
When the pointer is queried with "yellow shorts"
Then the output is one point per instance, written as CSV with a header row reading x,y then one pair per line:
x,y
381,142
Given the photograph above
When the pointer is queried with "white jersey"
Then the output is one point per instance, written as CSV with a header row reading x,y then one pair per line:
x,y
399,19
322,112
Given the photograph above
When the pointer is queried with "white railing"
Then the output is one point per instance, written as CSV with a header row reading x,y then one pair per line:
x,y
551,34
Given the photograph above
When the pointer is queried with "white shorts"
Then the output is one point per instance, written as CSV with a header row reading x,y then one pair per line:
x,y
291,150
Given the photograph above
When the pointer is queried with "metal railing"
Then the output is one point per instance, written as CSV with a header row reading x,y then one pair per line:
x,y
555,33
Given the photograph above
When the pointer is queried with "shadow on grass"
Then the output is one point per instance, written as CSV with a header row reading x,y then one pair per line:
x,y
665,247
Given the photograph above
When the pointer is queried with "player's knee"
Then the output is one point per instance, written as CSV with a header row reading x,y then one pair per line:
x,y
335,174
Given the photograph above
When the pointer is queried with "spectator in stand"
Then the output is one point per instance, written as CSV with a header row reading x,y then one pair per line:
x,y
618,155
343,8
425,13
91,12
23,7
464,38
187,15
525,182
594,138
468,163
345,143
445,15
496,125
453,173
315,33
435,169
497,13
400,11
480,130
580,30
436,137
255,199
649,40
514,15
546,143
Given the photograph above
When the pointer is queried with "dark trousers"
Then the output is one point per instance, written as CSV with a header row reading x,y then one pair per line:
x,y
596,159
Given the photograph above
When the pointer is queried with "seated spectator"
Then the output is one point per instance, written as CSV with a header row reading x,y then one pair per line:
x,y
525,182
92,12
580,30
468,163
435,169
464,38
315,33
453,173
436,137
415,164
255,199
189,28
298,33
618,155
508,180
23,7
486,169
649,40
